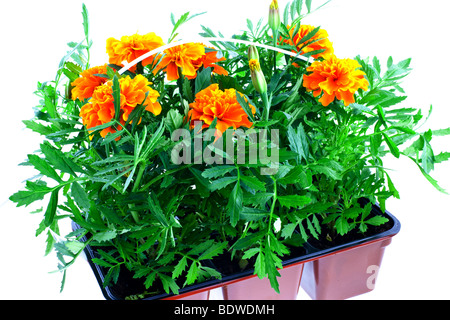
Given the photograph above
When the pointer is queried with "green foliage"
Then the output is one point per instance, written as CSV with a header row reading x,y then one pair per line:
x,y
167,223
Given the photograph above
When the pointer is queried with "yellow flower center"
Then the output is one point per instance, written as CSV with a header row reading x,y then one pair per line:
x,y
254,65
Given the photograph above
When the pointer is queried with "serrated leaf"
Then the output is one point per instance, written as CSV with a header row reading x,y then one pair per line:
x,y
203,80
50,213
250,253
105,236
43,167
377,221
75,246
102,263
192,274
311,229
248,241
253,183
260,265
179,268
80,196
218,171
288,230
342,226
213,251
293,201
392,146
234,207
59,160
116,96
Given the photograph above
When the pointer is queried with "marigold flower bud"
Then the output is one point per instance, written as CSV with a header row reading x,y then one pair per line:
x,y
274,16
253,53
259,82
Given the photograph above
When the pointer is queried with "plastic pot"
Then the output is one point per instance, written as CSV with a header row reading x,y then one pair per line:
x,y
254,288
347,270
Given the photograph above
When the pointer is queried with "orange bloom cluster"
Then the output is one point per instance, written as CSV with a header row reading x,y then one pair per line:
x,y
336,78
189,58
132,47
85,85
320,38
211,103
100,109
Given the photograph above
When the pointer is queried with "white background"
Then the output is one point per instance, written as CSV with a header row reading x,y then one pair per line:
x,y
33,40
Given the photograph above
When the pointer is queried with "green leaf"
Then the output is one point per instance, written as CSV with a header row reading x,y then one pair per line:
x,y
245,105
43,167
203,80
288,230
80,196
102,263
427,156
392,188
441,132
392,146
260,265
85,21
213,251
38,127
298,142
156,210
430,179
377,221
116,97
342,226
272,272
234,206
179,268
248,241
192,274
105,236
173,120
50,213
253,183
59,160
443,156
222,183
36,191
217,171
293,201
253,214
169,284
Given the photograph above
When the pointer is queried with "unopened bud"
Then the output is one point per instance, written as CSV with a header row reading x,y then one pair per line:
x,y
259,82
274,16
253,53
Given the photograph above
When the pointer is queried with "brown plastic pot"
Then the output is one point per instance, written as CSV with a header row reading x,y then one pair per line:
x,y
254,288
348,270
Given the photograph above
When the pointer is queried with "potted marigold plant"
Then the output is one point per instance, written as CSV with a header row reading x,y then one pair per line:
x,y
250,161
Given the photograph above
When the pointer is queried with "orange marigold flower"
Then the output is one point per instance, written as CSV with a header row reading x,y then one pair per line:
x,y
211,103
320,41
100,109
85,85
132,47
183,56
209,59
336,78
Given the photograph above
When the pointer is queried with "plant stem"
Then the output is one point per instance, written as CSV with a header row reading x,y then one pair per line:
x,y
266,112
275,37
272,209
